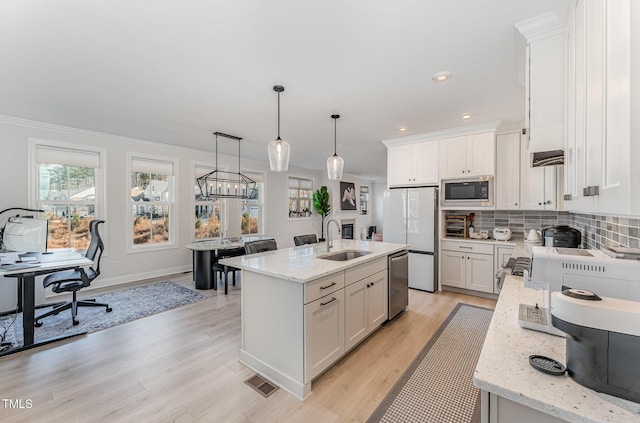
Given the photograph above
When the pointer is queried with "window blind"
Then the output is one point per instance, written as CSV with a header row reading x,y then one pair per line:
x,y
68,157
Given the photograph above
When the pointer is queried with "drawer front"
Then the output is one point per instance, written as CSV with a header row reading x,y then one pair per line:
x,y
467,247
362,271
323,286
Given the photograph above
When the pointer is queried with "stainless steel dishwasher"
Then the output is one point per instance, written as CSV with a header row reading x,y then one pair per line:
x,y
398,283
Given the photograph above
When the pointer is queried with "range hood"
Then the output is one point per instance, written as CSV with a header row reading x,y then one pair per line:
x,y
547,158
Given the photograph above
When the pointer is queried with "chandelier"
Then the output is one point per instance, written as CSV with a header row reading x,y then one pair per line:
x,y
223,184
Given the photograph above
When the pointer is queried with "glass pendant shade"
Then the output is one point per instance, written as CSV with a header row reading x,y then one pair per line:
x,y
279,151
335,165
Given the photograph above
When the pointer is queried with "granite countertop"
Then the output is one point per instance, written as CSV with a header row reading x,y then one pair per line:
x,y
503,369
301,264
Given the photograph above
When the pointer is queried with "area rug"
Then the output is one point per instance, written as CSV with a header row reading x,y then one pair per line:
x,y
128,304
438,386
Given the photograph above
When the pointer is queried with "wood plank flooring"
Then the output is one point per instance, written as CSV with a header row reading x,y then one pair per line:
x,y
182,366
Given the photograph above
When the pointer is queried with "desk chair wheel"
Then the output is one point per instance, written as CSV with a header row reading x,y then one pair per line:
x,y
109,309
75,322
37,324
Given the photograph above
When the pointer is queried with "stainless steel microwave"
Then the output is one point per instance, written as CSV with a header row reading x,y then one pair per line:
x,y
467,192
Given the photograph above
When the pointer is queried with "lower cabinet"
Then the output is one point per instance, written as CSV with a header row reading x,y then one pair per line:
x,y
366,307
324,332
463,267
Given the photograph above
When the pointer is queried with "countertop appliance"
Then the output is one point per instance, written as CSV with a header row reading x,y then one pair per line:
x,y
557,269
410,217
398,283
467,192
561,236
502,234
603,341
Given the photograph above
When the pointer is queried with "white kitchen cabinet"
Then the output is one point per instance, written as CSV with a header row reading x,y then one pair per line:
x,y
413,164
366,307
324,333
468,155
600,161
545,114
507,193
538,185
467,265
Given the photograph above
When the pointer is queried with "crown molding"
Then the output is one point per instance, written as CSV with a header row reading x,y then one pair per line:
x,y
445,133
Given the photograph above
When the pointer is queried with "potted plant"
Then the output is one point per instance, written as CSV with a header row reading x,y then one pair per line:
x,y
322,206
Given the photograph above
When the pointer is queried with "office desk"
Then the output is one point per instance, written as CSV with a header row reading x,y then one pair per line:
x,y
49,263
205,254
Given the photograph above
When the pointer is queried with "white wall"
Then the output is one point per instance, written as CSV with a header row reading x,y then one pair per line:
x,y
117,265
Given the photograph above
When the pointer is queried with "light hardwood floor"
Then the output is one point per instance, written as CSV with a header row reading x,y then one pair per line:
x,y
182,366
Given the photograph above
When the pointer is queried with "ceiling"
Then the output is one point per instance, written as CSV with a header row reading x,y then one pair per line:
x,y
174,72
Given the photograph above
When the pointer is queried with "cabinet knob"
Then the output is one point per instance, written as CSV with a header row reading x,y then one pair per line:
x,y
468,171
548,202
372,283
368,285
539,204
515,204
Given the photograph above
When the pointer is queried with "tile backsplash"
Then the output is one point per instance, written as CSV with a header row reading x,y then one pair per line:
x,y
597,230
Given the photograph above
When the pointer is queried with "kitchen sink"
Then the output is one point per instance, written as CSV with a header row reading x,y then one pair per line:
x,y
344,255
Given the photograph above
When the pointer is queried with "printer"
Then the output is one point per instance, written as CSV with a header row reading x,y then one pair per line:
x,y
556,269
603,340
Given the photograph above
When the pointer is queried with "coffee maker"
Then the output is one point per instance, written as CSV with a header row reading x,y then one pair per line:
x,y
557,269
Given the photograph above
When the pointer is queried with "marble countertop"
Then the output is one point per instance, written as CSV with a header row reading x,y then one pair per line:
x,y
503,369
301,264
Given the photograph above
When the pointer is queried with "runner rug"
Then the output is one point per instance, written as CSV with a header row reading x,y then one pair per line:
x,y
438,386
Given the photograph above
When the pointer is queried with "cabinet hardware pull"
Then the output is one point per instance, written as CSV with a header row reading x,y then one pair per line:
x,y
467,248
539,204
368,285
328,302
516,204
468,171
328,286
463,171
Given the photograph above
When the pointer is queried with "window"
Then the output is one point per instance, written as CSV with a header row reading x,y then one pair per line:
x,y
208,214
69,189
151,190
251,209
300,197
364,200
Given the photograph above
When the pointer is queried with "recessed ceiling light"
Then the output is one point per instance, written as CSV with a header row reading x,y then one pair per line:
x,y
402,128
466,116
441,76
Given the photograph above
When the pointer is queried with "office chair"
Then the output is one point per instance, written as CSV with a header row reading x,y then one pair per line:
x,y
75,280
217,267
260,246
305,239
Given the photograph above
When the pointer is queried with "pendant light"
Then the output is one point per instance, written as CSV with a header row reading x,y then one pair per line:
x,y
335,163
278,149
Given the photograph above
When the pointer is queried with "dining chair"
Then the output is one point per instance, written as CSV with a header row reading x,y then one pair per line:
x,y
260,246
76,279
224,269
305,239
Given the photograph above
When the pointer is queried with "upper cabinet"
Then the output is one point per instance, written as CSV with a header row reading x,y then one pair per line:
x,y
545,114
468,155
412,164
508,171
600,158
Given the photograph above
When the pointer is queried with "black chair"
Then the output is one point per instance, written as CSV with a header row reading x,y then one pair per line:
x,y
260,246
223,269
305,239
75,280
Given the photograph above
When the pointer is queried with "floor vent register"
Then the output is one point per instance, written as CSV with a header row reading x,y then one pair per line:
x,y
262,386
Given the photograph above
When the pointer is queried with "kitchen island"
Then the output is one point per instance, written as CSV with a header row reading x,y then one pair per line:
x,y
301,313
513,391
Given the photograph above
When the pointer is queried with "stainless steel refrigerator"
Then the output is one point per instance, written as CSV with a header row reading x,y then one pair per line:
x,y
411,217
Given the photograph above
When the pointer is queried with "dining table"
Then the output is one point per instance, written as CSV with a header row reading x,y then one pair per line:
x,y
205,254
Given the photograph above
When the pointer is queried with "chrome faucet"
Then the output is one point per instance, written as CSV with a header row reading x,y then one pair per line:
x,y
327,246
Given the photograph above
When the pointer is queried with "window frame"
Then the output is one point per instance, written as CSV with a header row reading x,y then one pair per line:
x,y
33,181
174,218
260,179
224,209
289,198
